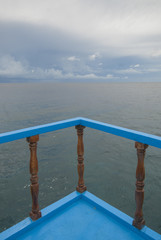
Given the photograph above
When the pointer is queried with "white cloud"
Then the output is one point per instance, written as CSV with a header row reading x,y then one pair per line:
x,y
11,67
109,76
73,58
93,76
137,65
129,71
156,53
86,76
135,69
94,56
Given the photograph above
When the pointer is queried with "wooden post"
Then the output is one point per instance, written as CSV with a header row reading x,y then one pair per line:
x,y
34,187
138,221
80,151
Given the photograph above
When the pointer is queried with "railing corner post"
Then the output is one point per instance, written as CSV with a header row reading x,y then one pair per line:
x,y
34,187
80,151
139,221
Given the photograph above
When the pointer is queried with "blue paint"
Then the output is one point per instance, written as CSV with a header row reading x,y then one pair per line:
x,y
123,132
28,132
118,131
79,216
120,217
27,224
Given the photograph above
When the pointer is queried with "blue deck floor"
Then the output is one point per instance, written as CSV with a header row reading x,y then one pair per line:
x,y
79,216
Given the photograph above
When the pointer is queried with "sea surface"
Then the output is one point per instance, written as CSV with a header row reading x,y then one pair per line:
x,y
110,161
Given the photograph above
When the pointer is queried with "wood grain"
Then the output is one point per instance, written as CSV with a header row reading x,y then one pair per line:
x,y
34,187
80,151
139,221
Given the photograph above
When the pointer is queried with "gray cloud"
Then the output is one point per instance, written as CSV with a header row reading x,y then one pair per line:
x,y
80,39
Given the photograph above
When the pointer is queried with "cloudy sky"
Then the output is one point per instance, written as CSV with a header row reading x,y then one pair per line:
x,y
109,40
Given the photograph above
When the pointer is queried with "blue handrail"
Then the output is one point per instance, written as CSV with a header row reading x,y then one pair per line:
x,y
142,137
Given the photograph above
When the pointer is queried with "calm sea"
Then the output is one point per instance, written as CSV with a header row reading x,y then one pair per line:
x,y
110,161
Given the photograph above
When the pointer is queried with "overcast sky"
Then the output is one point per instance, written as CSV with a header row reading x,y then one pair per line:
x,y
81,39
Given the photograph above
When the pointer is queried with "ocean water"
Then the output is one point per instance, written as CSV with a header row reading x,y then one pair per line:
x,y
110,161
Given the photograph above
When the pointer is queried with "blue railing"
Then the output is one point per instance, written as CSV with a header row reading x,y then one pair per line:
x,y
142,140
145,138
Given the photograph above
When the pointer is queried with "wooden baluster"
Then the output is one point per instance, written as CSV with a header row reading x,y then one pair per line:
x,y
80,151
138,221
34,187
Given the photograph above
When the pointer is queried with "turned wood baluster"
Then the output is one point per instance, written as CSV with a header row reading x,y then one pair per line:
x,y
138,221
34,187
80,151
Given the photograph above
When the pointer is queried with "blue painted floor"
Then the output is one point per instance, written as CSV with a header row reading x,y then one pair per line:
x,y
80,221
79,216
